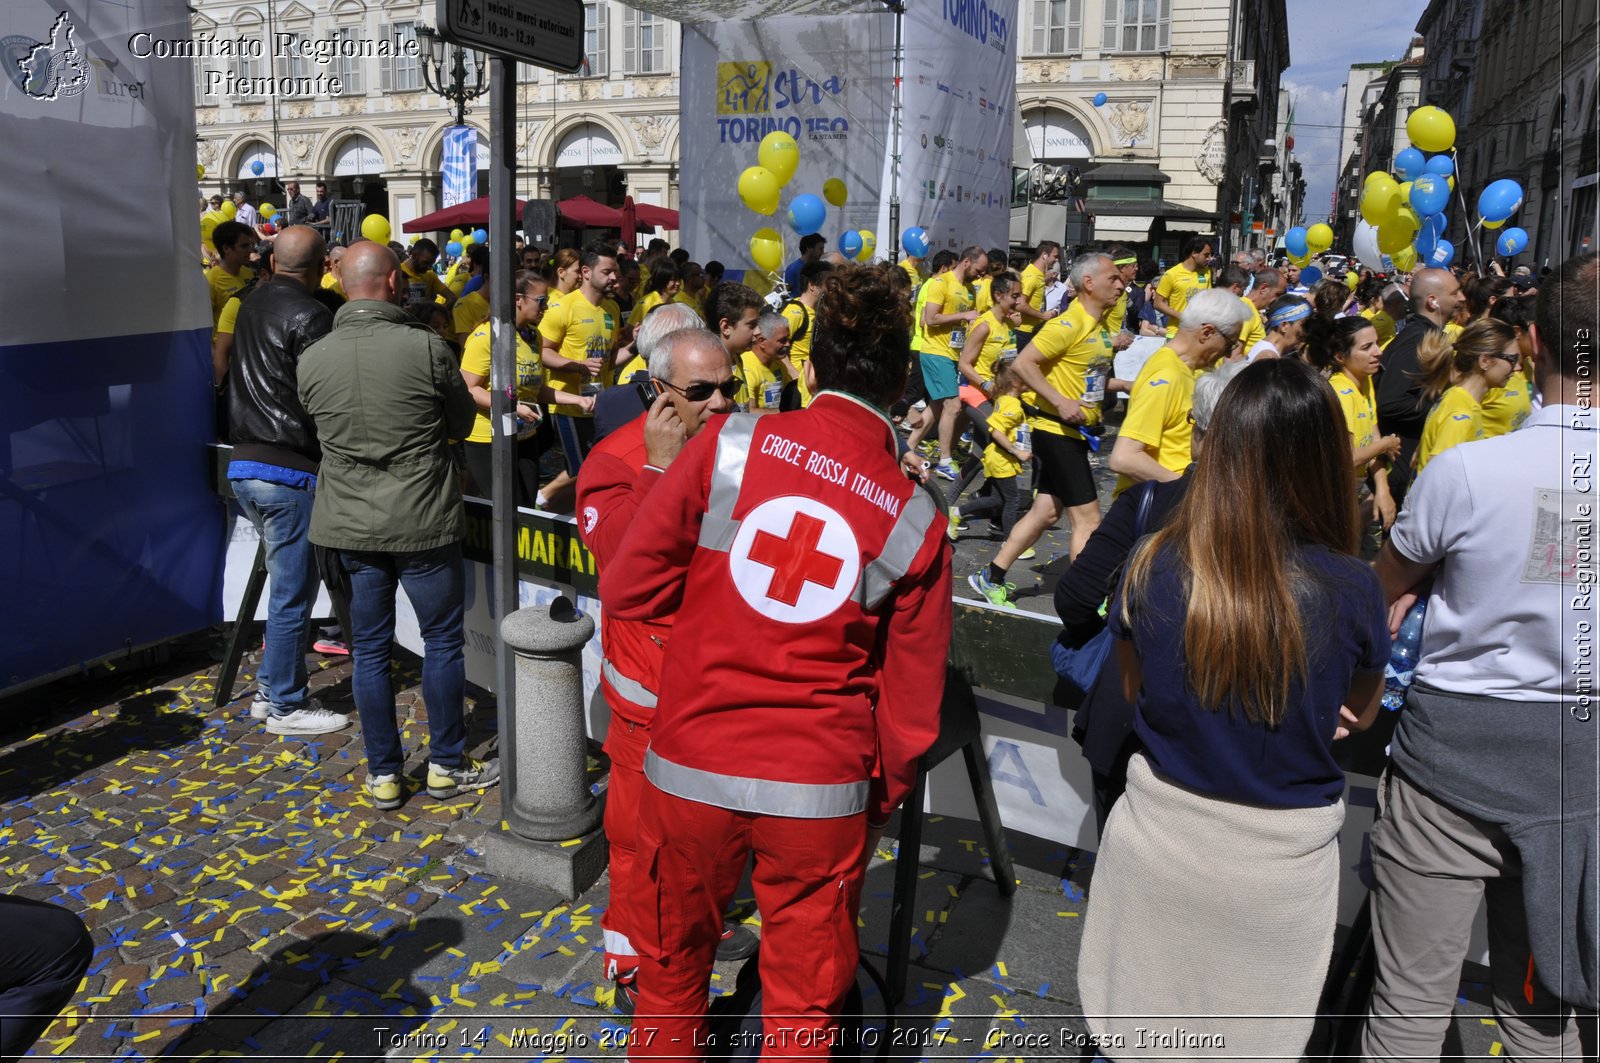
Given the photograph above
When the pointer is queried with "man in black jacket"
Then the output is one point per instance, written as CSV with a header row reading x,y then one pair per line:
x,y
1435,295
274,470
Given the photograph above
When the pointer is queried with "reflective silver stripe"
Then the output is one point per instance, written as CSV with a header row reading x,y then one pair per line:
x,y
733,450
796,800
910,529
717,533
631,689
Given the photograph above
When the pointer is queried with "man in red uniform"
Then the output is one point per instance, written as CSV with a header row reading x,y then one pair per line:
x,y
690,368
816,580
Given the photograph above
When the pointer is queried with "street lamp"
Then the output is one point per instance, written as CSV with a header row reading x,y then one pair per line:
x,y
455,89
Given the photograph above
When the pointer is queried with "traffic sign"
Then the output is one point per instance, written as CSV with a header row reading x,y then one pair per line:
x,y
544,33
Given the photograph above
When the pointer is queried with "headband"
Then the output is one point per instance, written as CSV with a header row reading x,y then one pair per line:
x,y
1289,315
1124,261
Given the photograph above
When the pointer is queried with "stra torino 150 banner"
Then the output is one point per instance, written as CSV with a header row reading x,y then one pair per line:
x,y
110,532
829,83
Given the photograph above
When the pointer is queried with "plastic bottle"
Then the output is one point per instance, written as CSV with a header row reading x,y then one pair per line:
x,y
1403,656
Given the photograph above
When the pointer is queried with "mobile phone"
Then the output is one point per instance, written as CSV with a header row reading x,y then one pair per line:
x,y
648,392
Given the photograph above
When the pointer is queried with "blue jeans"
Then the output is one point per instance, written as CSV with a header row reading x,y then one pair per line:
x,y
282,516
435,583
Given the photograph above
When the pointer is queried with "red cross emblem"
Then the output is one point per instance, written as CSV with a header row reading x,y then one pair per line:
x,y
795,560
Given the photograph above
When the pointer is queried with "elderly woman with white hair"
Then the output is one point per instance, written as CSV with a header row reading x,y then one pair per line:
x,y
1153,443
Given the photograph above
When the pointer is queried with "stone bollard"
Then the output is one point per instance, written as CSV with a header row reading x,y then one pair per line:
x,y
544,754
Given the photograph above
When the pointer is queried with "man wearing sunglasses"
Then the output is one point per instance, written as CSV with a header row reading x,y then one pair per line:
x,y
693,376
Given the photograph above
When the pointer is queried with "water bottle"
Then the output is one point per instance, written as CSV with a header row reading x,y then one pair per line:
x,y
1024,437
1403,656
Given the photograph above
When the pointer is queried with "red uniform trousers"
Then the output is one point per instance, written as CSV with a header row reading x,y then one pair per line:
x,y
807,878
626,742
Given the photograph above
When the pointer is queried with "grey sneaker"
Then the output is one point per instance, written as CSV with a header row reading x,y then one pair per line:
x,y
472,775
260,707
311,720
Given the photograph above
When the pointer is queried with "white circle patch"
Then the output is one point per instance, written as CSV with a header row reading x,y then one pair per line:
x,y
794,559
591,517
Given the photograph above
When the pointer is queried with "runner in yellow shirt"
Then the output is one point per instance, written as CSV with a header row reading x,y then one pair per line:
x,y
1459,375
947,313
1347,350
1154,440
579,338
422,284
991,340
235,242
330,279
800,315
660,287
1183,281
566,273
1506,407
761,368
1035,280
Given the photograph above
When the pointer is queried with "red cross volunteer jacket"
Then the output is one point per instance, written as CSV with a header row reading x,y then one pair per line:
x,y
613,481
810,585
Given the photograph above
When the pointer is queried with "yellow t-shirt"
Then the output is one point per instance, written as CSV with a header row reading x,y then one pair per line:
x,y
802,322
579,330
982,298
1360,406
225,286
646,303
1382,322
1253,331
330,282
1069,344
1117,314
230,314
475,354
995,344
422,287
556,295
634,365
1455,418
998,463
1033,286
1158,412
1452,329
1177,285
919,337
691,302
1505,408
915,272
951,297
470,311
760,387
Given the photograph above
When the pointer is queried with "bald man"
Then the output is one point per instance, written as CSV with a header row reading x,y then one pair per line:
x,y
332,279
1435,296
273,470
387,396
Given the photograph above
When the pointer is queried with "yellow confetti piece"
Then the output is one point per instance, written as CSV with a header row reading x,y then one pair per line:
x,y
570,844
1001,967
1496,1048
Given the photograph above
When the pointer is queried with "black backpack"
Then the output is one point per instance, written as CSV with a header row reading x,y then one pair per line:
x,y
805,320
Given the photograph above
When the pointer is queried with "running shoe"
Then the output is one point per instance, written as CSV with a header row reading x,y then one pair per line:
x,y
1028,555
312,720
993,593
473,775
738,942
260,706
331,647
387,791
948,471
954,529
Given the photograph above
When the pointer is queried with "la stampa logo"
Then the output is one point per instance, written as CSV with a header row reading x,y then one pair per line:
x,y
53,69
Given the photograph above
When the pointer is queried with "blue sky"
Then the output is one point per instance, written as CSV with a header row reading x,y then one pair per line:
x,y
1325,38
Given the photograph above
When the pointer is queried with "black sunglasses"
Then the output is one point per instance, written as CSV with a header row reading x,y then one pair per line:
x,y
702,391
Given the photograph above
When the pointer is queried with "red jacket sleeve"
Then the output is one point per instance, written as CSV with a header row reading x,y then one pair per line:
x,y
645,578
609,487
911,684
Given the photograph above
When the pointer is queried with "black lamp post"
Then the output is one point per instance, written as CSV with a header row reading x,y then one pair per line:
x,y
455,89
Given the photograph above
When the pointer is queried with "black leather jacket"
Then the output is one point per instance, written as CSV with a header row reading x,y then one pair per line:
x,y
277,322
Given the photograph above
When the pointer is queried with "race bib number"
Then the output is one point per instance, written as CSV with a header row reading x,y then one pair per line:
x,y
958,338
1094,386
771,395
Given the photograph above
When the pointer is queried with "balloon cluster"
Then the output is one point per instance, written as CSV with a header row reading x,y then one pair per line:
x,y
760,188
1403,221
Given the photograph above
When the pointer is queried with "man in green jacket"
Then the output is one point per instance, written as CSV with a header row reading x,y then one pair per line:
x,y
386,395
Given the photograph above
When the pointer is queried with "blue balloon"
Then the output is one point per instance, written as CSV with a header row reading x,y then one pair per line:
x,y
850,244
453,249
1099,99
480,236
915,241
1444,253
807,213
1436,223
1310,275
1500,200
1425,242
1430,194
258,167
1443,165
1511,242
1294,241
1410,163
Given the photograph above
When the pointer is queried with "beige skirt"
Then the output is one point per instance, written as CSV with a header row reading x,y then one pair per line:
x,y
1209,925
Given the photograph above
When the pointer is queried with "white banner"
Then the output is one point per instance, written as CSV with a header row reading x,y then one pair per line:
x,y
828,82
459,165
956,122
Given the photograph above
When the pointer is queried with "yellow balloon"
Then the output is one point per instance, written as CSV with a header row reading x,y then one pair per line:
x,y
268,210
834,191
199,170
869,244
1404,259
779,154
456,234
1431,129
758,189
1302,261
1395,234
375,227
1494,224
1409,217
1379,199
1319,238
1405,191
766,249
467,240
228,210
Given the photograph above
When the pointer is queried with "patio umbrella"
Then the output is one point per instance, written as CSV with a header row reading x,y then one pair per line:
x,y
474,213
630,223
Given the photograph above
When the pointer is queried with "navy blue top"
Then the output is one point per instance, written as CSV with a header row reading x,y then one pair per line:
x,y
1224,754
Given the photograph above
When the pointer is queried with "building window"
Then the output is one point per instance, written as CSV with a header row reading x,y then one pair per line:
x,y
402,72
1057,26
250,63
291,60
201,74
596,41
644,43
347,66
1137,25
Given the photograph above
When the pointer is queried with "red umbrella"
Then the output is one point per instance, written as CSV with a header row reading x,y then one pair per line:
x,y
474,213
584,213
630,222
662,216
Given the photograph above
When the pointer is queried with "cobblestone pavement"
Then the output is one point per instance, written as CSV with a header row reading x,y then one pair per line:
x,y
248,901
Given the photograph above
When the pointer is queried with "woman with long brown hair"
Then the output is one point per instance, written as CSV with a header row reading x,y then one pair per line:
x,y
1456,376
1250,637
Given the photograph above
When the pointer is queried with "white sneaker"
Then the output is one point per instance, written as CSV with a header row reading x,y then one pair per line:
x,y
260,707
313,720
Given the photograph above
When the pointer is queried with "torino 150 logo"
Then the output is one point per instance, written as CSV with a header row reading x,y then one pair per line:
x,y
752,97
979,21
